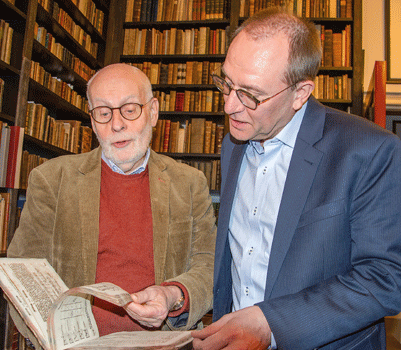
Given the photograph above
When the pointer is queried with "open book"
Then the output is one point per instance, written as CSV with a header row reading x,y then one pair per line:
x,y
61,318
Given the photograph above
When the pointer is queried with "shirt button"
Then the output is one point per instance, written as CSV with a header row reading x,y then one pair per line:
x,y
246,291
255,210
250,251
265,170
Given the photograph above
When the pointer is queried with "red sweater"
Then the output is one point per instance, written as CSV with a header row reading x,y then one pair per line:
x,y
125,254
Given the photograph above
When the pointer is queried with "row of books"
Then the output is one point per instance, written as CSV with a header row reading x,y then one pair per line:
x,y
211,169
75,30
12,138
49,42
6,38
332,88
302,8
28,162
197,136
58,86
66,134
174,41
336,46
91,12
178,10
87,8
190,101
191,72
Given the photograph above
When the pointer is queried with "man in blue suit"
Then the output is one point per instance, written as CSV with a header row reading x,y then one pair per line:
x,y
308,252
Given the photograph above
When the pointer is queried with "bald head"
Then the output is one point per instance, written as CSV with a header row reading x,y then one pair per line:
x,y
121,73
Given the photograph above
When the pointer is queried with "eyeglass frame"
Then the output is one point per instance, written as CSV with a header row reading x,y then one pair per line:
x,y
257,101
119,108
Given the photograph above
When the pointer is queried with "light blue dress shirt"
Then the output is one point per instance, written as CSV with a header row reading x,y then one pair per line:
x,y
257,201
137,170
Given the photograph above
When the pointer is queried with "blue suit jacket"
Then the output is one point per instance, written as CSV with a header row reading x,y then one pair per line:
x,y
335,264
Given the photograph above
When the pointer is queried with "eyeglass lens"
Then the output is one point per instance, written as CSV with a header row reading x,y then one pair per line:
x,y
246,98
129,111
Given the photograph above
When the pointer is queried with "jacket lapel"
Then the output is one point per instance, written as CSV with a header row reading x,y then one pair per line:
x,y
226,202
159,183
88,187
303,166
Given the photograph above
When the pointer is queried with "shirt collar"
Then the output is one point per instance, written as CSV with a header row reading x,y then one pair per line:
x,y
287,135
137,170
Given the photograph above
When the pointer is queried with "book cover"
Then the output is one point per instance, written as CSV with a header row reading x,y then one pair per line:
x,y
13,152
197,135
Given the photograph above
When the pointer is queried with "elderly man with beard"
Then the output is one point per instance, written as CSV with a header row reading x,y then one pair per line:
x,y
124,214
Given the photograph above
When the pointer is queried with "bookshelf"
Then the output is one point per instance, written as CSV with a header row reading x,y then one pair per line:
x,y
53,48
160,34
178,44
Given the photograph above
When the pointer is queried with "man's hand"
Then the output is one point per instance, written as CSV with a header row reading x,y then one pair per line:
x,y
151,305
246,329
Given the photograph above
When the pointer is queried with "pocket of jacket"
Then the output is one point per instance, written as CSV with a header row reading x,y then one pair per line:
x,y
322,212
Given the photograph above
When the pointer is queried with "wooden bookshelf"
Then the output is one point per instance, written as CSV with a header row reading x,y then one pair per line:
x,y
72,65
340,75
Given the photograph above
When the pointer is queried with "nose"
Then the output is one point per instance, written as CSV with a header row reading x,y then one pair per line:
x,y
232,104
117,120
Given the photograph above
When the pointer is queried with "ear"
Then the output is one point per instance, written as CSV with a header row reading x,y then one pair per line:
x,y
302,93
154,111
93,123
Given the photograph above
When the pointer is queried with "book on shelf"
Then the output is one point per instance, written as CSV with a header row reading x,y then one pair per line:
x,y
5,199
190,101
332,88
191,72
197,135
14,157
179,137
177,10
211,170
4,147
43,309
48,41
66,134
174,41
29,161
58,86
74,29
6,36
304,8
1,93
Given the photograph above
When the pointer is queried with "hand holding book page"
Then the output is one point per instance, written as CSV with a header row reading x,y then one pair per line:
x,y
61,318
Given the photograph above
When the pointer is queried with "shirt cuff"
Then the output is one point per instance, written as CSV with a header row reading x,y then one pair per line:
x,y
273,344
185,307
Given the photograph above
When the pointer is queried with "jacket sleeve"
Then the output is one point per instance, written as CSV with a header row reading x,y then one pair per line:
x,y
198,278
33,237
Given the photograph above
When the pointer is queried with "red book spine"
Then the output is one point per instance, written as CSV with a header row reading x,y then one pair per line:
x,y
166,136
12,156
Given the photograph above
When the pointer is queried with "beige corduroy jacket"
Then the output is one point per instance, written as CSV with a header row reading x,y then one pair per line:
x,y
60,222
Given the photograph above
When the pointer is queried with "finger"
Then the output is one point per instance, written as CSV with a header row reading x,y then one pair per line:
x,y
209,330
141,297
213,342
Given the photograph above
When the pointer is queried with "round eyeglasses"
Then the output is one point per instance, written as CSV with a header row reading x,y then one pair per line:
x,y
129,111
246,98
